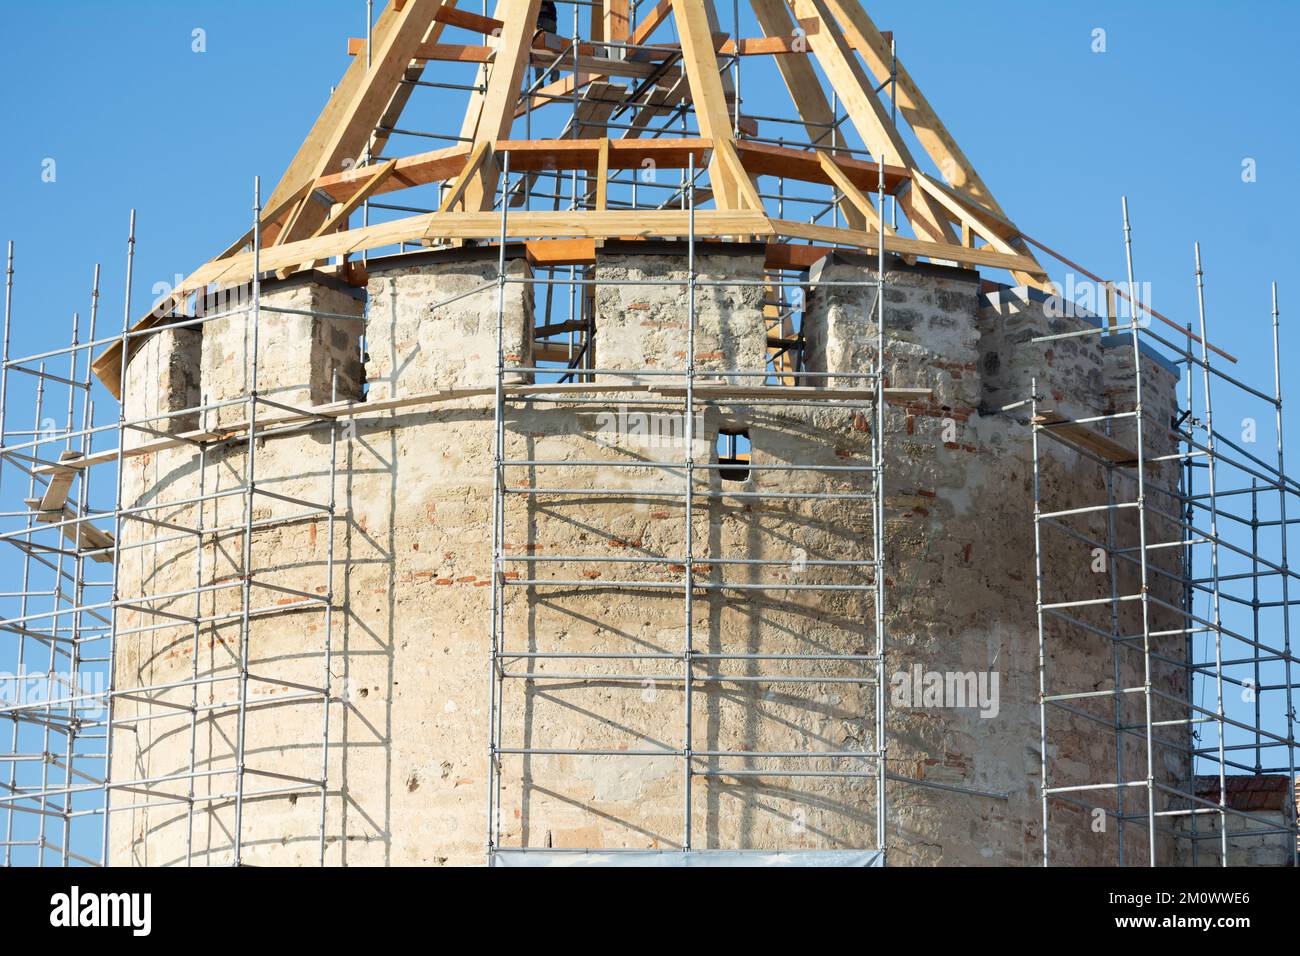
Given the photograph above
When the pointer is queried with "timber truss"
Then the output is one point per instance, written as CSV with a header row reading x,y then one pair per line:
x,y
636,103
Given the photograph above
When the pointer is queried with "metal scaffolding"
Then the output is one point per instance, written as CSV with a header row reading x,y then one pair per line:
x,y
1196,602
692,667
73,614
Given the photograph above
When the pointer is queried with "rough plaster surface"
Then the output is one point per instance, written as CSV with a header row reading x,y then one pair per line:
x,y
407,767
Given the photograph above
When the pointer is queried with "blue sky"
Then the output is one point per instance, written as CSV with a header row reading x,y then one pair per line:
x,y
1184,93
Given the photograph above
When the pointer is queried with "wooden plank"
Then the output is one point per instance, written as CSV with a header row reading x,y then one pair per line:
x,y
56,492
1081,436
661,100
485,225
765,46
83,535
603,65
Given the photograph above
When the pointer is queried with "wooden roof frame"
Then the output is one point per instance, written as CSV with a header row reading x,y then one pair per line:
x,y
954,215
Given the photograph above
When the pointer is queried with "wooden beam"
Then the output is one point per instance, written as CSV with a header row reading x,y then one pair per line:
x,y
561,252
468,21
616,21
746,191
794,256
378,174
857,198
345,209
417,170
502,94
696,32
657,15
762,159
438,52
602,176
765,46
899,245
484,225
535,155
971,220
802,82
456,195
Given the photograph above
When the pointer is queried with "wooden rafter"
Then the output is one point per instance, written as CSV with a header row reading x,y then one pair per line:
x,y
344,138
868,115
930,131
802,83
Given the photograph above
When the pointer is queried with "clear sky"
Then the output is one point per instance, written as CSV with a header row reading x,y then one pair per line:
x,y
1184,94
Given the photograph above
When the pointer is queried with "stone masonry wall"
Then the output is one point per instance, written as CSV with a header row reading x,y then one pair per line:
x,y
406,766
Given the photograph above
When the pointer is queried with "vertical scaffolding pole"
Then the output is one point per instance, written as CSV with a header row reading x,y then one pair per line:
x,y
1282,483
1117,669
246,570
1145,599
1038,604
688,650
327,682
1216,611
4,412
495,689
117,542
878,463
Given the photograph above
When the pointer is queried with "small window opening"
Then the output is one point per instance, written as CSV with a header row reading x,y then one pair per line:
x,y
733,454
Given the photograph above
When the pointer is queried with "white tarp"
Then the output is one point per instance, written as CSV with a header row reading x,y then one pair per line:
x,y
692,858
